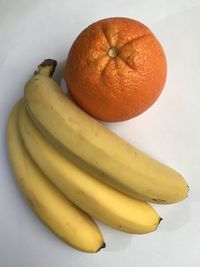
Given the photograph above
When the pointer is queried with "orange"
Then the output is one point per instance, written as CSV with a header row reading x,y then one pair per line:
x,y
115,69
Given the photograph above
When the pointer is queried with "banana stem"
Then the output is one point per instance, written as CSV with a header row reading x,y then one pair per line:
x,y
46,68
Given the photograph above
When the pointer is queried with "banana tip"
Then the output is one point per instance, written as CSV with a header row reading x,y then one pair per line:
x,y
49,62
46,68
102,246
160,219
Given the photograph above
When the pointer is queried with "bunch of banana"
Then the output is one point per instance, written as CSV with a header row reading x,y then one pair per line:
x,y
61,156
91,195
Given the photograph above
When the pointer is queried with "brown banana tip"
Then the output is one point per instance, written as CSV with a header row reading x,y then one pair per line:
x,y
103,246
160,219
50,63
187,191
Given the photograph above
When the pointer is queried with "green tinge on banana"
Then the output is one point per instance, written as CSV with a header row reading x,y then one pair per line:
x,y
104,154
66,220
99,200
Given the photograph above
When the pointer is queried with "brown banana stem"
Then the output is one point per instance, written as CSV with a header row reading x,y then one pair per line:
x,y
46,68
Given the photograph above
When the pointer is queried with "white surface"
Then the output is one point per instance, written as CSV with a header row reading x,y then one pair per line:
x,y
33,30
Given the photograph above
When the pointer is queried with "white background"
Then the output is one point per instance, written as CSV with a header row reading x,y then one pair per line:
x,y
33,30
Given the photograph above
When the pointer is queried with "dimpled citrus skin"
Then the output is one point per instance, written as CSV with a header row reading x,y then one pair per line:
x,y
116,69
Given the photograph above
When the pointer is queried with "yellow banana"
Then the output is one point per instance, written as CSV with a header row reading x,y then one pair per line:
x,y
66,220
94,197
104,154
